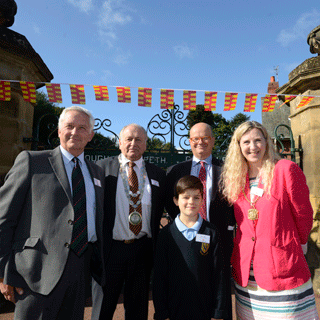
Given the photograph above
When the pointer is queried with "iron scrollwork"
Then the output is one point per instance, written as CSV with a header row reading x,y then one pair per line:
x,y
173,122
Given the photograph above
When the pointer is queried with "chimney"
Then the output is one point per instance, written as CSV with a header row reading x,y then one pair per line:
x,y
273,85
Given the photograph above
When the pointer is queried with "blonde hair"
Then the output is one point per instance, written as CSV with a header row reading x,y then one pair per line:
x,y
235,168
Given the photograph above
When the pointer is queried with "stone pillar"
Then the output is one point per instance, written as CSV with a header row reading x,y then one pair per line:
x,y
19,62
305,125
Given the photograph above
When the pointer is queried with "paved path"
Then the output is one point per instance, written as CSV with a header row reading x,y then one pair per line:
x,y
119,311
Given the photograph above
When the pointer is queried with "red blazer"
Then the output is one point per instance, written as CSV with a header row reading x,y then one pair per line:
x,y
285,220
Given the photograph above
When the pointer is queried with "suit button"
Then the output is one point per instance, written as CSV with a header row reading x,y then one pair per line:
x,y
252,238
67,245
70,222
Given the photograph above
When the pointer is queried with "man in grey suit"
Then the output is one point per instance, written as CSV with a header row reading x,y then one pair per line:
x,y
132,221
50,215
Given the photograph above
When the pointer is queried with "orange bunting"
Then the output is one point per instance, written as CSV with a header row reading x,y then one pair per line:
x,y
210,101
124,94
166,99
77,94
54,92
269,102
230,101
28,91
5,91
101,93
286,100
144,97
304,101
250,102
189,100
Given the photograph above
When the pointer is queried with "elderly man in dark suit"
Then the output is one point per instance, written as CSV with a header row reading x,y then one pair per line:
x,y
51,212
214,209
133,209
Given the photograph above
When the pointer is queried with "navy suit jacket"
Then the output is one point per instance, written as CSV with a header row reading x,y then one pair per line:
x,y
111,171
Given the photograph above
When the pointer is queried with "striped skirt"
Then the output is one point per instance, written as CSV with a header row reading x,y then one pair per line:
x,y
253,302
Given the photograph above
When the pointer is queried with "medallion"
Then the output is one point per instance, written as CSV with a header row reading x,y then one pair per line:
x,y
135,218
253,214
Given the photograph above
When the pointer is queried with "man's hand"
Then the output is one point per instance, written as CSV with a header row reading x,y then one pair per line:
x,y
8,291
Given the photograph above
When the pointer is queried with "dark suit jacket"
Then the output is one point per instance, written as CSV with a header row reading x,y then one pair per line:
x,y
220,213
111,170
35,207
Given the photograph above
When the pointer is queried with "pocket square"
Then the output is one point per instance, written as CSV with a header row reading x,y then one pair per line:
x,y
155,182
97,182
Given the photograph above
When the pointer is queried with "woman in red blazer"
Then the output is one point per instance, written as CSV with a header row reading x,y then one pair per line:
x,y
274,217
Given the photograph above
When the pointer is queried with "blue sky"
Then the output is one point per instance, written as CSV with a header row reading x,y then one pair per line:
x,y
200,45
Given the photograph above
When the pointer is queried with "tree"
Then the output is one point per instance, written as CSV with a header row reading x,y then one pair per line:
x,y
45,119
222,129
155,144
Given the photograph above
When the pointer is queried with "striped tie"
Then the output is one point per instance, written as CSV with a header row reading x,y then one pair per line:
x,y
203,179
79,241
133,184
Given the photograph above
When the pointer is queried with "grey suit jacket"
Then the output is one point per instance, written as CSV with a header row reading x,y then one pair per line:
x,y
35,207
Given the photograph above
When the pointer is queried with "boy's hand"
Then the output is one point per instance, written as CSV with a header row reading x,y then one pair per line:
x,y
8,291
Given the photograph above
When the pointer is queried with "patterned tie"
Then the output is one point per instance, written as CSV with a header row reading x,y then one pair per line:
x,y
79,242
133,184
203,179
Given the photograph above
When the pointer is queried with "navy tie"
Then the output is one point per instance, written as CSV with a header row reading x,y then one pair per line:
x,y
79,241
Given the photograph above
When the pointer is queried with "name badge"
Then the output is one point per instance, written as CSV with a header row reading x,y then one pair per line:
x,y
202,238
257,191
97,182
155,183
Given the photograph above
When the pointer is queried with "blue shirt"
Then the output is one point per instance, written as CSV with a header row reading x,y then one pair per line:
x,y
188,233
90,193
195,170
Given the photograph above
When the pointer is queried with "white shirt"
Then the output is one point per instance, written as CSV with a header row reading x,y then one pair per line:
x,y
195,170
90,193
121,230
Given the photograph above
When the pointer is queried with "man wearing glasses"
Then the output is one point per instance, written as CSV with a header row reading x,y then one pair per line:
x,y
214,209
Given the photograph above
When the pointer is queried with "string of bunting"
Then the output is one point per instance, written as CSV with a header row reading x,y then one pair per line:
x,y
145,96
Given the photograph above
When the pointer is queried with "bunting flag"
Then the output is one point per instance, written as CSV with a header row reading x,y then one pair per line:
x,y
166,99
144,97
250,102
230,101
101,93
5,91
124,94
189,100
54,92
77,94
269,102
304,101
28,91
287,99
210,101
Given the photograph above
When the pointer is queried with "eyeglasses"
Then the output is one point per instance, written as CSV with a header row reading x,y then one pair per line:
x,y
205,139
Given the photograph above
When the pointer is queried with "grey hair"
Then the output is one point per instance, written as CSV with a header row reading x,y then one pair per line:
x,y
137,126
80,109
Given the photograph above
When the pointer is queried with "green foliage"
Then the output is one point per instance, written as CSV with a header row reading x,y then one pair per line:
x,y
155,144
222,129
45,119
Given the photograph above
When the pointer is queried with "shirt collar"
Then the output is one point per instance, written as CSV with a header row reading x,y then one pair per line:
x,y
182,227
69,156
195,160
138,163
